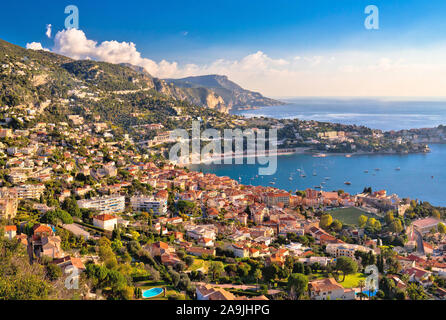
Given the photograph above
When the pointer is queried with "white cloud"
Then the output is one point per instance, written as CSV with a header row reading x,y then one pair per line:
x,y
331,73
36,46
48,31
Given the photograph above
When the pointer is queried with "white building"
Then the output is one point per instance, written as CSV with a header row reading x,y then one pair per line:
x,y
105,205
29,191
345,249
105,221
142,203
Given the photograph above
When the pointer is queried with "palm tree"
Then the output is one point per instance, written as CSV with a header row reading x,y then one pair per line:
x,y
361,285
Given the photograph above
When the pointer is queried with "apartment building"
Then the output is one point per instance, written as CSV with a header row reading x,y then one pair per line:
x,y
345,249
29,191
143,203
105,205
8,204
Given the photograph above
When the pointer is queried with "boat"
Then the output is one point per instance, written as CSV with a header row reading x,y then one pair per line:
x,y
327,178
319,155
272,182
377,169
366,171
317,187
347,183
398,169
348,155
314,173
290,178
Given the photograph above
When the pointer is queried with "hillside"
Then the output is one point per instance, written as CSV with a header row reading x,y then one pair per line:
x,y
233,95
43,86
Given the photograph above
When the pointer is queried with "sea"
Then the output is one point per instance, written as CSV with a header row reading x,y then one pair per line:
x,y
414,176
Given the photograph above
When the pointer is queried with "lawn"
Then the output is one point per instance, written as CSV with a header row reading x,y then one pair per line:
x,y
198,264
350,216
351,281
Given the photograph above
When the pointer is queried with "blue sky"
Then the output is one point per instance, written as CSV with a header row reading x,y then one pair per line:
x,y
200,32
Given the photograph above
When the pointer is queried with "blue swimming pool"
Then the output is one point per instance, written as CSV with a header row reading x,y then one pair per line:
x,y
369,293
152,292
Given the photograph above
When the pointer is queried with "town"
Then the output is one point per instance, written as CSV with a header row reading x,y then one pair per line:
x,y
135,226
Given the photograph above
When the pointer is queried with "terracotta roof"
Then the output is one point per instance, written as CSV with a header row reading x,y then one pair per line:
x,y
10,228
104,217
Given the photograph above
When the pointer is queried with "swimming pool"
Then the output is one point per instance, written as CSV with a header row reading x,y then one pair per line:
x,y
370,293
152,293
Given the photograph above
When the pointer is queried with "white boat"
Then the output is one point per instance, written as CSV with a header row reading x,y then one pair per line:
x,y
319,155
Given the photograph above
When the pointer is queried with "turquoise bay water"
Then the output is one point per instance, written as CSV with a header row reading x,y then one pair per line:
x,y
381,114
414,180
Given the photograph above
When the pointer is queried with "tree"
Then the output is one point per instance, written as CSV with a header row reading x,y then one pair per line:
x,y
257,275
361,285
336,225
441,228
56,216
396,226
346,265
416,292
326,221
270,272
298,267
215,269
189,260
436,214
362,220
297,285
53,271
389,217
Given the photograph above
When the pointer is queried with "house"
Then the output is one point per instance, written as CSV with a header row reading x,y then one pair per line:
x,y
159,248
254,253
239,251
50,247
418,275
325,289
199,251
10,232
206,242
42,230
209,292
77,230
426,225
105,221
69,262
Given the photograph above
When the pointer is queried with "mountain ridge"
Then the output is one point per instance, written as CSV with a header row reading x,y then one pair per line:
x,y
233,94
